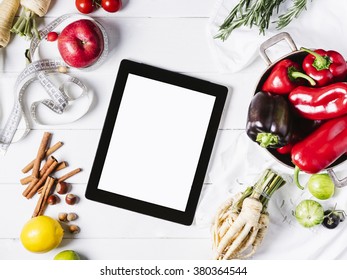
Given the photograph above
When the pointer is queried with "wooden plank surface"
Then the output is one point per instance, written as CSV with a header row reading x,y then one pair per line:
x,y
165,33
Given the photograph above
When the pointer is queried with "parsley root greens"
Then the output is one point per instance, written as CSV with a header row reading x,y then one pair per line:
x,y
241,222
258,13
8,10
26,23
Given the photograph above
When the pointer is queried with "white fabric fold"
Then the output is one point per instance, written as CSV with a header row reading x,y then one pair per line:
x,y
241,162
321,25
240,165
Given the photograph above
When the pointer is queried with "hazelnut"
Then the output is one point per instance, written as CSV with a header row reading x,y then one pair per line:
x,y
74,229
71,199
53,199
62,217
62,69
62,188
71,217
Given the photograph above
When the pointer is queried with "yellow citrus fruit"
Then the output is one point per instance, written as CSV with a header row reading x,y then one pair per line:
x,y
41,234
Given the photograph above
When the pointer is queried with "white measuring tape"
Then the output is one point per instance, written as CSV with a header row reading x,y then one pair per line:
x,y
59,97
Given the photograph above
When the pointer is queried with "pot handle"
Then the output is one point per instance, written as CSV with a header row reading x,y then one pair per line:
x,y
273,41
339,183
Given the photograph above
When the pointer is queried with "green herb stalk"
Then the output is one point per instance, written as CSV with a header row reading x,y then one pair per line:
x,y
263,189
26,25
258,13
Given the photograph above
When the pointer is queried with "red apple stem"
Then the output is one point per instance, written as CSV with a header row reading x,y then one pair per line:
x,y
26,25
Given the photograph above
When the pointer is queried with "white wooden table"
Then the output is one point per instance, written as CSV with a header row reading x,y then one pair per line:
x,y
167,34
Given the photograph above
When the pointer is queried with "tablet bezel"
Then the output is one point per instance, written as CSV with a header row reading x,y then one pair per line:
x,y
131,67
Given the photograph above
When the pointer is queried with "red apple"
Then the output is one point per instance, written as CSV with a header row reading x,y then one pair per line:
x,y
81,43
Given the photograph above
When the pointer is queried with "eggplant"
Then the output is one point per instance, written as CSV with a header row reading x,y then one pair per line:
x,y
304,127
269,120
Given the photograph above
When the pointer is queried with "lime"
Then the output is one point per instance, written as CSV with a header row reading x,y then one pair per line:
x,y
41,234
67,255
321,186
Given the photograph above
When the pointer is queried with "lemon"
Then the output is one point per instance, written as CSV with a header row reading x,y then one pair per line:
x,y
41,234
67,255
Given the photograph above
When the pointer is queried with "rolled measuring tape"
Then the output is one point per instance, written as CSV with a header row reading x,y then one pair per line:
x,y
42,70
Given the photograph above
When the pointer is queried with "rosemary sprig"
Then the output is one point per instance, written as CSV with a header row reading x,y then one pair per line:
x,y
258,13
293,12
249,13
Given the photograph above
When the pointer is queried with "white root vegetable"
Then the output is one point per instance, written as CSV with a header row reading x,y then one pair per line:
x,y
246,222
263,226
242,221
39,7
8,10
224,218
26,24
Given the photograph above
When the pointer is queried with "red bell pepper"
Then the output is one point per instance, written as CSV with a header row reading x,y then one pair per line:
x,y
284,77
285,149
325,66
321,148
320,103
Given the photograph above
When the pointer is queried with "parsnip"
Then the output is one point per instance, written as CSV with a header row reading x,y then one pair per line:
x,y
242,221
8,10
263,226
39,7
26,23
245,224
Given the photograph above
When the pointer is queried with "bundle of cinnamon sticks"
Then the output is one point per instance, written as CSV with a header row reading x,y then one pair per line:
x,y
41,180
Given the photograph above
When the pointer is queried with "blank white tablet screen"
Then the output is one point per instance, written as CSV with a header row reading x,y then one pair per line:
x,y
156,142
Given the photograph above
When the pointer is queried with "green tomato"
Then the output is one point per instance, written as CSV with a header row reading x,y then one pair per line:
x,y
309,213
67,255
321,186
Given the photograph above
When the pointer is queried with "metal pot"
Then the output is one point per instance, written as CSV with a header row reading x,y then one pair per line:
x,y
297,56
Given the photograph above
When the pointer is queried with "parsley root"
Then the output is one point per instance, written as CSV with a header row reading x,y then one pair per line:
x,y
26,24
8,10
241,222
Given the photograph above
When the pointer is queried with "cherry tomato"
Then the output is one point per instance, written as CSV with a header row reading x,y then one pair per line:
x,y
52,36
111,6
84,6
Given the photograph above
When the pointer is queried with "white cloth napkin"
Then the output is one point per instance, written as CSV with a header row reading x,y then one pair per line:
x,y
322,25
239,165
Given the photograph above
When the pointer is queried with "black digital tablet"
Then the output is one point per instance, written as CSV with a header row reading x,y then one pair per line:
x,y
156,142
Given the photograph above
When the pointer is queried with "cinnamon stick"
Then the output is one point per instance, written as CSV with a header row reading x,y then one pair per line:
x,y
68,175
28,179
50,151
45,167
40,154
42,202
30,187
40,190
47,191
34,181
42,180
61,165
